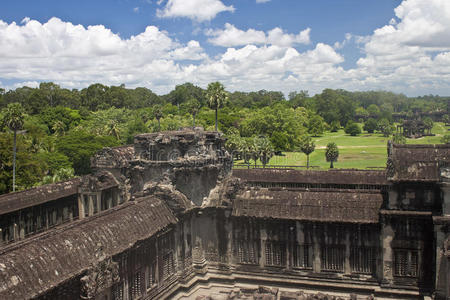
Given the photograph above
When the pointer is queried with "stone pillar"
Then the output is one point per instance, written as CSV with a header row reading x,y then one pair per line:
x,y
393,199
229,232
387,235
262,260
81,207
15,232
316,250
442,277
347,267
289,246
445,188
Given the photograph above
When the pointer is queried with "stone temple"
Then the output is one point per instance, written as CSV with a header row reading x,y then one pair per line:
x,y
168,218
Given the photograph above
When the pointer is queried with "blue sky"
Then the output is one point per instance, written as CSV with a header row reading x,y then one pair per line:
x,y
284,45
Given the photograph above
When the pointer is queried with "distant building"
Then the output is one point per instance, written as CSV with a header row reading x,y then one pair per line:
x,y
167,218
412,128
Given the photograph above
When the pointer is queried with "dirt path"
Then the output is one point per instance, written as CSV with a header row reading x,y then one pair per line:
x,y
354,147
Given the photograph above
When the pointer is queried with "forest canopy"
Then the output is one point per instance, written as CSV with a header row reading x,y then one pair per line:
x,y
63,128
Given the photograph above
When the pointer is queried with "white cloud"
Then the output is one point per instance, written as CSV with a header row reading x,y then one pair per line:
x,y
197,10
262,1
77,55
395,57
277,37
231,36
136,9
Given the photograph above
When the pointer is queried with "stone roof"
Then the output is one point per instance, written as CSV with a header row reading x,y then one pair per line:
x,y
348,206
417,162
101,180
367,177
38,195
35,265
117,157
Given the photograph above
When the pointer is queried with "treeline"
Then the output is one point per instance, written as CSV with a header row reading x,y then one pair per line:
x,y
63,128
332,105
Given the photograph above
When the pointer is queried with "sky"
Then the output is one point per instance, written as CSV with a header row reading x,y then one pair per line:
x,y
247,45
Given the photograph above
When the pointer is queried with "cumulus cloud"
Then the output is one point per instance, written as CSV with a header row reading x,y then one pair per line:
x,y
394,56
197,10
136,9
409,53
62,52
231,36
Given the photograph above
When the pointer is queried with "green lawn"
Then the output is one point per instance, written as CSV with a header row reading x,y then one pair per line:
x,y
361,152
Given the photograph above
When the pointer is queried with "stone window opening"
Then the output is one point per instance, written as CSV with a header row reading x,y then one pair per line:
x,y
275,253
333,248
151,275
135,290
406,263
333,258
303,256
362,250
247,251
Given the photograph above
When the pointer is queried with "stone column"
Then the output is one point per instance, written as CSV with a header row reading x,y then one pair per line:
x,y
445,188
442,277
347,267
387,235
81,207
316,250
229,232
262,260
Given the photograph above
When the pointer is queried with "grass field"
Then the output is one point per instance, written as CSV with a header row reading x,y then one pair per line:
x,y
362,152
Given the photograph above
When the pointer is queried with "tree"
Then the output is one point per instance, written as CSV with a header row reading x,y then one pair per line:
x,y
428,122
13,118
113,129
331,153
79,146
307,146
385,127
371,125
446,119
316,125
216,96
264,149
58,128
445,139
373,110
193,108
246,149
335,126
158,114
399,138
352,128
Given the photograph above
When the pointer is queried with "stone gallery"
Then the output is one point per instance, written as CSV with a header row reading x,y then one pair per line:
x,y
168,218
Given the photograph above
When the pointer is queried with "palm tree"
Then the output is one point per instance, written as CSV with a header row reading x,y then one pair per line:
x,y
193,107
307,146
158,114
245,149
113,129
264,149
428,122
59,128
216,96
331,153
13,118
